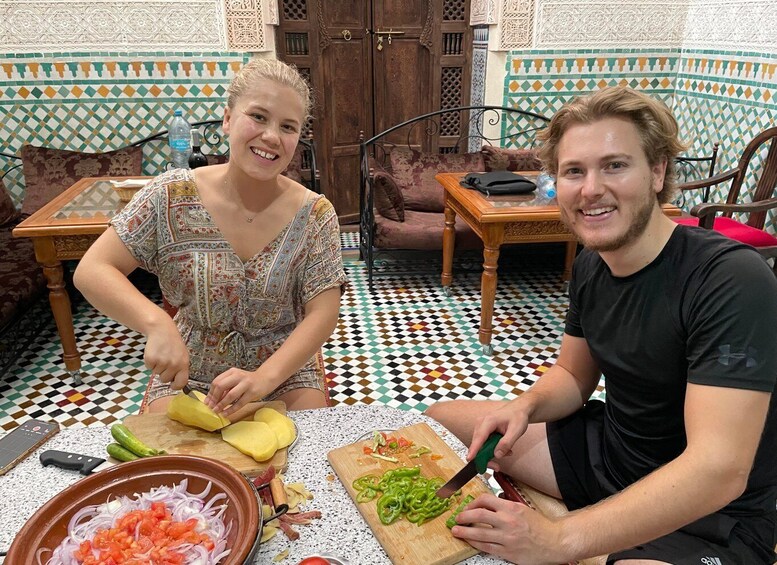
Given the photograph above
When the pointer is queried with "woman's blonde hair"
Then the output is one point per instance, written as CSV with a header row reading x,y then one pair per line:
x,y
655,124
270,69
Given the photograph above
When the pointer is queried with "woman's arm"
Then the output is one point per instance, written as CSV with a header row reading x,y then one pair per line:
x,y
235,387
102,278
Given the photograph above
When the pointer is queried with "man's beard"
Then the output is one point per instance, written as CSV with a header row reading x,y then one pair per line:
x,y
639,221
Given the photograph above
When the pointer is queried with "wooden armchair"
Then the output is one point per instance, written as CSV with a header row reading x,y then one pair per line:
x,y
755,174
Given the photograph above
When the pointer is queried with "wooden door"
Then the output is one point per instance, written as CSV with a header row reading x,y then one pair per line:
x,y
364,83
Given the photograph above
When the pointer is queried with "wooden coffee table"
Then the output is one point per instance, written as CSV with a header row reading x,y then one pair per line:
x,y
64,229
497,220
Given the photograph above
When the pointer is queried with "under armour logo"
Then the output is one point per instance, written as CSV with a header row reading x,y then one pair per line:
x,y
727,357
711,561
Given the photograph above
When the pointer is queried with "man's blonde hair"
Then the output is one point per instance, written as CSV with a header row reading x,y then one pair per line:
x,y
655,124
270,69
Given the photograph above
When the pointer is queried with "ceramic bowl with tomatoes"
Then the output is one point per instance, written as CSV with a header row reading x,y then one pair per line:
x,y
48,526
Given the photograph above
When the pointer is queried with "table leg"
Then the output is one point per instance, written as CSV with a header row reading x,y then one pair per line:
x,y
60,306
448,244
569,259
491,244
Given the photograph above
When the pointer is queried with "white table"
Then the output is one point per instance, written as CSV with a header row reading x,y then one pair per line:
x,y
341,531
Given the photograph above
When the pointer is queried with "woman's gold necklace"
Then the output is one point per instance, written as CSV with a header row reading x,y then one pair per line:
x,y
249,219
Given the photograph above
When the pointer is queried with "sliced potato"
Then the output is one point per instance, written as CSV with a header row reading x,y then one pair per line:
x,y
282,425
255,439
190,412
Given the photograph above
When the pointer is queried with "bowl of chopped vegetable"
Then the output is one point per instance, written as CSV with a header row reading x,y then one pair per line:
x,y
167,509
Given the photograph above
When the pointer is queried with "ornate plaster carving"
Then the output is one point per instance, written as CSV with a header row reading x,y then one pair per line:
x,y
67,25
483,12
610,23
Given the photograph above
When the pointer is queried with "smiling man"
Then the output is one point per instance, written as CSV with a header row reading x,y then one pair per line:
x,y
678,465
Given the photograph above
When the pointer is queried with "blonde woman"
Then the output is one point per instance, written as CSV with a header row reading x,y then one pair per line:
x,y
250,258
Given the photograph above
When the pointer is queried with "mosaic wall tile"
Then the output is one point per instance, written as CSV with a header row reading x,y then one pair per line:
x,y
101,101
722,97
726,98
542,81
478,89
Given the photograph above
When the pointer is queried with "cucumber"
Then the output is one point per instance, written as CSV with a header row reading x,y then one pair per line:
x,y
127,440
120,453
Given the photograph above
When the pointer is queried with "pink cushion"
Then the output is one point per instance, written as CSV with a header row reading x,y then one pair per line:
x,y
388,197
8,212
503,159
414,172
736,231
421,230
49,172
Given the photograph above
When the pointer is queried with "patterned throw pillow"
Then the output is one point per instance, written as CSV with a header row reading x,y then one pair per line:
x,y
8,212
388,197
503,159
49,172
414,172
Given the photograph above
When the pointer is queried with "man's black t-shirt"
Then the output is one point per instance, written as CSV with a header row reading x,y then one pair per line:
x,y
704,312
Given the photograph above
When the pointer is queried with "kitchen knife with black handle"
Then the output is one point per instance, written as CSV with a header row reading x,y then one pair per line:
x,y
478,465
84,464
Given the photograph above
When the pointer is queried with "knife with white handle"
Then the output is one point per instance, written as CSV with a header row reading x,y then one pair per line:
x,y
84,464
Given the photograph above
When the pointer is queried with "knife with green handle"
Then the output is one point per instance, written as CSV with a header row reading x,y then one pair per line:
x,y
478,465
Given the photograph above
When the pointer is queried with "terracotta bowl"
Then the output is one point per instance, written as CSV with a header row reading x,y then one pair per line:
x,y
48,526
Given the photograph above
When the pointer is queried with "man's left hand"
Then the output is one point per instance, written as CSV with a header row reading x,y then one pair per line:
x,y
510,530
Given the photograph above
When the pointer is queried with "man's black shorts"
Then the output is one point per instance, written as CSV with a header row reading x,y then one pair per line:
x,y
717,539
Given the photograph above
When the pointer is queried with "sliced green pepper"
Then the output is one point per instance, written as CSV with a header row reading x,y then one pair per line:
x,y
451,521
389,509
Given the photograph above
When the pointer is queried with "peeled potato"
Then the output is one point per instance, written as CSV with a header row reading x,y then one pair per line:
x,y
255,439
190,412
282,425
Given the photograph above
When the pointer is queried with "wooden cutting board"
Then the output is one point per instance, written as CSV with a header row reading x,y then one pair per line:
x,y
403,541
159,431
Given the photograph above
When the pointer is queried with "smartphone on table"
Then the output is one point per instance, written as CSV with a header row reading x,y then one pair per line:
x,y
23,440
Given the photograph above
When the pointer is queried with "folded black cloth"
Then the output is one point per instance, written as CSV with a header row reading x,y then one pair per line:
x,y
498,182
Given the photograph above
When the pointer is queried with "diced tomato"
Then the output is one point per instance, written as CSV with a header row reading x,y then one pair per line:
x,y
157,533
367,450
404,443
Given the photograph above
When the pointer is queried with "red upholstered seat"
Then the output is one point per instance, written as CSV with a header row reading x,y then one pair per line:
x,y
735,230
755,175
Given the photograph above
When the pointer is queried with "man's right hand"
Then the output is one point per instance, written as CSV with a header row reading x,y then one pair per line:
x,y
510,420
166,354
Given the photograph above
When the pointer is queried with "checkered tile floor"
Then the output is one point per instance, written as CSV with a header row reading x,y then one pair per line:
x,y
404,345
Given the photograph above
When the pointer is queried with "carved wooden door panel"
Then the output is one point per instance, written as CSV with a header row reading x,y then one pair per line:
x,y
404,61
373,64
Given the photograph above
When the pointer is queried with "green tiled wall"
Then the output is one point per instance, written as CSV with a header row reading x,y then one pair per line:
x,y
715,95
104,100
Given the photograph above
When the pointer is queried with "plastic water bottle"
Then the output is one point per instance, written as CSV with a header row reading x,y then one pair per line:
x,y
179,139
546,187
